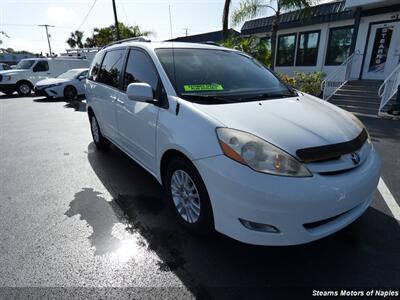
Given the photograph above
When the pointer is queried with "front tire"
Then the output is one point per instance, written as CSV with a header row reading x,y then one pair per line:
x,y
70,92
188,196
99,140
24,88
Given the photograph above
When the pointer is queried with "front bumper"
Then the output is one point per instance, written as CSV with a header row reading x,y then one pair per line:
x,y
293,205
51,92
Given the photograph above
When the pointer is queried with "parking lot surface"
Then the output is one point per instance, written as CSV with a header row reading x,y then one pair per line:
x,y
74,217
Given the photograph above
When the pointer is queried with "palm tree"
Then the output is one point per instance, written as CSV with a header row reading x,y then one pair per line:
x,y
249,9
225,19
75,39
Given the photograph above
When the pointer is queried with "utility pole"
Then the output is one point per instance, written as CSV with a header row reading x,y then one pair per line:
x,y
116,20
186,31
48,37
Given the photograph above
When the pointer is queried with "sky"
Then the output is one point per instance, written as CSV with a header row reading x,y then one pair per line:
x,y
20,19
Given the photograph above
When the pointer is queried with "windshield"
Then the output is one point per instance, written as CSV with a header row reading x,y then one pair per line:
x,y
208,75
25,64
71,74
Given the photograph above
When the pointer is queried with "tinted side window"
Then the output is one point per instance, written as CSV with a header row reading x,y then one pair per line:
x,y
41,66
140,68
111,69
95,68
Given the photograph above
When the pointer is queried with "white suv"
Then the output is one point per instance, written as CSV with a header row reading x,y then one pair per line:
x,y
234,147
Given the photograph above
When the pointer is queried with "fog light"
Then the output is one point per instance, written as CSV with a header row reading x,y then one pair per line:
x,y
259,227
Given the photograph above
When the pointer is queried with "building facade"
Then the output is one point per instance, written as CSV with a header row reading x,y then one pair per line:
x,y
322,39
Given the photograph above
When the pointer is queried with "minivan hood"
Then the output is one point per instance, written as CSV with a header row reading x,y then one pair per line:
x,y
289,123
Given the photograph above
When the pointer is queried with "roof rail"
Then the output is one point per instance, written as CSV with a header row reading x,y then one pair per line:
x,y
210,43
136,39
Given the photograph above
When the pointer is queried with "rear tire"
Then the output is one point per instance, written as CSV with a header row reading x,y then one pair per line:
x,y
70,92
99,140
24,88
188,197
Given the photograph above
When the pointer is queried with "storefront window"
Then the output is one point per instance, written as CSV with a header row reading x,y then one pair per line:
x,y
339,45
307,51
286,50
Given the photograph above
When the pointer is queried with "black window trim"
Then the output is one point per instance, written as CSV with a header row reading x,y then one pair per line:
x,y
328,49
298,47
294,50
161,101
101,64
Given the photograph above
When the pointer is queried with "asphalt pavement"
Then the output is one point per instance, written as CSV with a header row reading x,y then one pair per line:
x,y
79,223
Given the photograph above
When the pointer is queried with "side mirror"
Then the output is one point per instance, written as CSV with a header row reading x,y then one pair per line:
x,y
140,91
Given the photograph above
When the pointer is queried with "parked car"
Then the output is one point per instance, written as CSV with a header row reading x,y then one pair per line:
x,y
69,85
29,71
4,66
235,149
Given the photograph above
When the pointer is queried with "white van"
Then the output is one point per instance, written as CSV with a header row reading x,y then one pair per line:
x,y
27,72
235,148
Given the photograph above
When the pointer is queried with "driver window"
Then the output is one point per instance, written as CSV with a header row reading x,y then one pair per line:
x,y
41,66
140,68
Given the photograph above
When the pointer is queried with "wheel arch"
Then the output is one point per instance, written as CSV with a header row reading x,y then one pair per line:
x,y
70,85
166,157
25,81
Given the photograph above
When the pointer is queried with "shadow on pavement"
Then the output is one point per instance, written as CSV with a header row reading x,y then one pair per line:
x,y
4,96
77,104
362,255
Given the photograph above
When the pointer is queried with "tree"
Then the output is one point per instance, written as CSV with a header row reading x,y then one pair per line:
x,y
105,35
225,19
250,45
251,8
75,39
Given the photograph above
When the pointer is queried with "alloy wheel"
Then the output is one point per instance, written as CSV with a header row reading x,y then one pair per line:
x,y
95,130
185,196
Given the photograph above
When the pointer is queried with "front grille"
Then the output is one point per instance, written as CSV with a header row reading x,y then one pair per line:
x,y
327,152
40,92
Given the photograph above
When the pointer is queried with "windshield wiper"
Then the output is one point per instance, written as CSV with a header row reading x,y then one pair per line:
x,y
265,96
211,98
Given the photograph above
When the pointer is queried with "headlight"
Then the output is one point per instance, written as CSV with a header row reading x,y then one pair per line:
x,y
258,154
53,85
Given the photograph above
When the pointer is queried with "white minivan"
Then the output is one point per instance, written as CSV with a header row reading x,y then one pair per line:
x,y
28,72
235,149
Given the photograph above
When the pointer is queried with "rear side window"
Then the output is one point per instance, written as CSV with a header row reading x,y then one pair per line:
x,y
111,69
41,66
94,70
140,68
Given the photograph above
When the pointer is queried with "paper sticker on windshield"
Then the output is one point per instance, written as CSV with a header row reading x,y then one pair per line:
x,y
203,87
